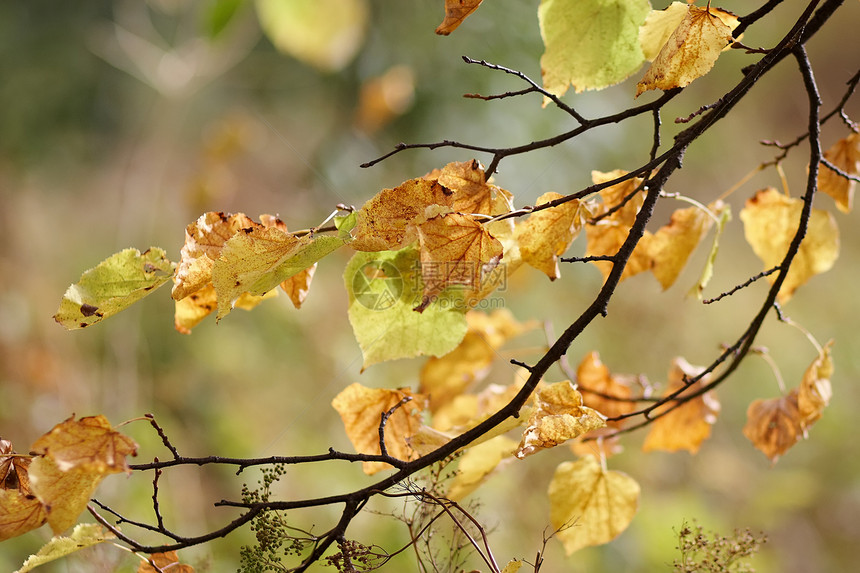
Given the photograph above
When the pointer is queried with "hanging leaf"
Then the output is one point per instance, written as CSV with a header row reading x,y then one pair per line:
x,y
814,392
774,425
383,289
455,12
558,416
547,234
688,425
112,286
89,444
20,512
659,26
361,409
770,223
167,562
691,51
724,214
590,505
591,44
844,154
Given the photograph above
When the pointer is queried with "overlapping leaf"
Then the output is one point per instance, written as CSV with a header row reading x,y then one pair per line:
x,y
814,392
455,250
590,505
844,154
167,562
445,377
112,286
455,12
688,425
361,410
691,50
590,44
595,382
659,26
89,444
672,245
547,234
770,222
383,289
558,416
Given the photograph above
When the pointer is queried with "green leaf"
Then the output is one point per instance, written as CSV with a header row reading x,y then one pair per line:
x,y
323,33
258,260
113,285
346,224
218,14
84,535
725,215
384,288
591,44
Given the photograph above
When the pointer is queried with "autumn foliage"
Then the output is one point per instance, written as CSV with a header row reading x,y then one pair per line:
x,y
429,252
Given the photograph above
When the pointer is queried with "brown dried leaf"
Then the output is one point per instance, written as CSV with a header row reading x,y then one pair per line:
x,y
455,249
593,378
472,193
774,425
844,154
770,223
547,234
361,409
455,12
19,513
204,240
559,415
166,562
687,426
13,469
691,51
89,444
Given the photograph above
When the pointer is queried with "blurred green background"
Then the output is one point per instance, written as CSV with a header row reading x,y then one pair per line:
x,y
121,122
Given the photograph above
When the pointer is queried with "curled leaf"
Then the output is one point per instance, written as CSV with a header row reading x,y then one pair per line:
x,y
774,425
558,416
844,154
815,391
455,12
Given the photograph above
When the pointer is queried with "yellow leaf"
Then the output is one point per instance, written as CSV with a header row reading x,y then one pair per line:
x,y
513,566
547,234
455,250
658,28
19,513
691,51
609,233
590,505
443,378
472,194
326,34
298,285
455,12
774,425
687,426
844,154
204,240
361,409
84,535
466,410
770,223
89,444
815,391
387,220
672,245
593,378
558,416
477,464
192,309
64,494
166,562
